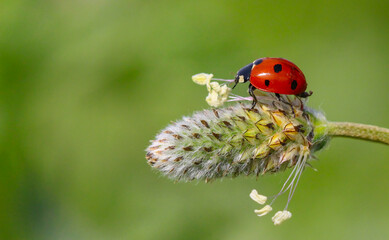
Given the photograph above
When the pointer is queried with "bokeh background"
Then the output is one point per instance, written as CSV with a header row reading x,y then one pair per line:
x,y
84,86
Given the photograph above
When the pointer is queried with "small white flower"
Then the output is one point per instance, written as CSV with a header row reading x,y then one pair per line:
x,y
213,99
281,216
223,100
202,78
257,197
224,90
218,95
263,211
214,86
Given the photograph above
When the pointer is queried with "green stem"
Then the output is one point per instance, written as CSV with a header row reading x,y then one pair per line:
x,y
357,130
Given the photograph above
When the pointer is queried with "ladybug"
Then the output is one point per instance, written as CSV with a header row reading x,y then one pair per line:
x,y
276,75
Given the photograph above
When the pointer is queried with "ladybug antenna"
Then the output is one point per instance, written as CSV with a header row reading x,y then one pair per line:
x,y
236,83
238,79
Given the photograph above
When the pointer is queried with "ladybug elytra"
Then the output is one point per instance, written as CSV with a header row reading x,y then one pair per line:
x,y
276,75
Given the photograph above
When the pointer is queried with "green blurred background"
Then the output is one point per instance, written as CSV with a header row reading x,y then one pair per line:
x,y
84,86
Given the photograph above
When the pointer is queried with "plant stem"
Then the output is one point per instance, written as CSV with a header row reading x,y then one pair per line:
x,y
357,130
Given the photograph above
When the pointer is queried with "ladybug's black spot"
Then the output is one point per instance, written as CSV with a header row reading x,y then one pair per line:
x,y
277,68
294,85
258,61
267,82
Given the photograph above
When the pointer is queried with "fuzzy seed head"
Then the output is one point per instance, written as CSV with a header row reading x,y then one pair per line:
x,y
237,140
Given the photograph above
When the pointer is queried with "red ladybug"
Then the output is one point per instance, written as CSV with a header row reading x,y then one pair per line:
x,y
276,75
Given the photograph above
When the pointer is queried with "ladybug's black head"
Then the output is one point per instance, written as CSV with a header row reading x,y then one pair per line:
x,y
243,75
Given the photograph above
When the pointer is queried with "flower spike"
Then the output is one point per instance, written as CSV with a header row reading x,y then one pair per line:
x,y
276,133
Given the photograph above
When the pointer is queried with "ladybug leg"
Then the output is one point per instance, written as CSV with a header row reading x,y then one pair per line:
x,y
251,92
305,94
287,103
